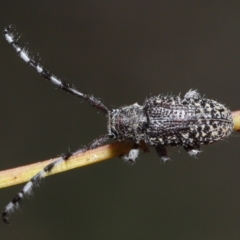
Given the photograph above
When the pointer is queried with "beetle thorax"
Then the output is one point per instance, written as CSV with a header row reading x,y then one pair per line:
x,y
127,123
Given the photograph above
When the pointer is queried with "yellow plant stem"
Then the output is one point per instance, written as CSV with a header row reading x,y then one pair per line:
x,y
25,173
236,120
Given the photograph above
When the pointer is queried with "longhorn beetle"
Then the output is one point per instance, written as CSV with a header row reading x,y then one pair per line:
x,y
161,121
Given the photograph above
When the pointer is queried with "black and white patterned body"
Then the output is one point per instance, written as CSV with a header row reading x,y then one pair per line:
x,y
188,122
161,121
173,121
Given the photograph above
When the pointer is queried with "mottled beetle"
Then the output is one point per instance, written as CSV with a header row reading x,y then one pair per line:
x,y
161,121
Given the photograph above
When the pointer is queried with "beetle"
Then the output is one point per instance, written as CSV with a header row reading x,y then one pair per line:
x,y
164,120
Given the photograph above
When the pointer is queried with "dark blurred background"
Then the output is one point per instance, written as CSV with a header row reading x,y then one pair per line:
x,y
120,51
